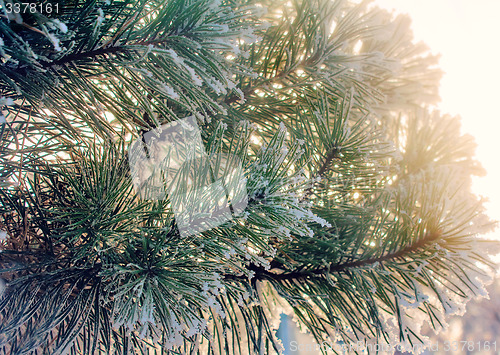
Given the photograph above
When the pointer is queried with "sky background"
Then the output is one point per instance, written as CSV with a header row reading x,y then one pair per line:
x,y
466,34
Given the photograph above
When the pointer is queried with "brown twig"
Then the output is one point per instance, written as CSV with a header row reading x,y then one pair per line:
x,y
261,273
26,25
333,154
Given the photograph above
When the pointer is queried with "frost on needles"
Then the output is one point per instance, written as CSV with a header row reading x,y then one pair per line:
x,y
360,222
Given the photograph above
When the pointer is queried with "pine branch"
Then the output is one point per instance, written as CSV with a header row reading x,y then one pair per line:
x,y
94,266
105,50
74,57
330,157
252,89
261,273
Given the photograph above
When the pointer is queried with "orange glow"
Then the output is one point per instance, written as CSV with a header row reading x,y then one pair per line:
x,y
465,33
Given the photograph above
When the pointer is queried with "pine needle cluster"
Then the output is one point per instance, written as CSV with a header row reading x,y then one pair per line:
x,y
360,220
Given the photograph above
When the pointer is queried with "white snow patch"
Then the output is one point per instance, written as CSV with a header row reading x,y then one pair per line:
x,y
100,19
3,286
2,52
61,25
170,92
6,101
55,41
196,79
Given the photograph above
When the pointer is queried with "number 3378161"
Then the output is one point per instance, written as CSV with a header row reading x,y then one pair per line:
x,y
31,8
465,345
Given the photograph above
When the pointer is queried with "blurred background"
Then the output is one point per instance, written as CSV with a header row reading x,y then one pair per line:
x,y
466,35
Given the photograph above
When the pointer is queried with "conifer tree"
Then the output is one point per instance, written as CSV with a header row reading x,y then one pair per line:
x,y
358,219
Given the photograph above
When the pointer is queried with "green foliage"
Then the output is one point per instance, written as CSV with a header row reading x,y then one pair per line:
x,y
360,221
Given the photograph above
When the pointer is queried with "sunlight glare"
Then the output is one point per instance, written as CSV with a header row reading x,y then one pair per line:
x,y
465,33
